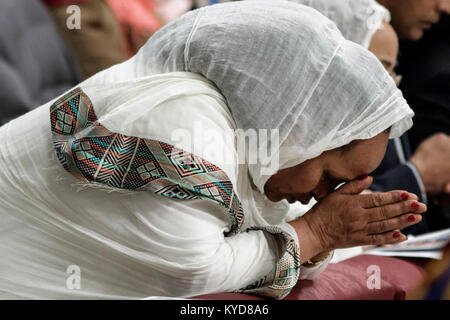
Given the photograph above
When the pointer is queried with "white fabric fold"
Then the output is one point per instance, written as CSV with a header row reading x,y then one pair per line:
x,y
358,20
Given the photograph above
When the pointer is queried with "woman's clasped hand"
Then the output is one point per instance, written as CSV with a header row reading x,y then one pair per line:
x,y
347,218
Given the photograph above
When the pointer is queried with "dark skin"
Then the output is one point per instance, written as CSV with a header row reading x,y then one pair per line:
x,y
411,18
344,217
319,176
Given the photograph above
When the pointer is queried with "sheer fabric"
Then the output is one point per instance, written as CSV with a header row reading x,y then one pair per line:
x,y
357,20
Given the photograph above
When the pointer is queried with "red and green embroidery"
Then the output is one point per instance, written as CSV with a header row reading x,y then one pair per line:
x,y
90,152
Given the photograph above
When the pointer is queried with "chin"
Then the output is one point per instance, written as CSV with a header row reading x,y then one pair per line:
x,y
416,35
273,197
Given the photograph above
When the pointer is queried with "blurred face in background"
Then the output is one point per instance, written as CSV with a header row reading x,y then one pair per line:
x,y
384,45
410,18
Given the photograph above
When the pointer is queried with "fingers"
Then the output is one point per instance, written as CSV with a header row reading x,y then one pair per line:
x,y
355,186
377,199
386,212
397,223
411,196
390,237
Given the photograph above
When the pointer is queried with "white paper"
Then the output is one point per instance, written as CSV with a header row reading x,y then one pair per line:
x,y
429,245
344,254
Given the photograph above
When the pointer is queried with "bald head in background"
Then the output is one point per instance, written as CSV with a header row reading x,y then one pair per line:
x,y
384,44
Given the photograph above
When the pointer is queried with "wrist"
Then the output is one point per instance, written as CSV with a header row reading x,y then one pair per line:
x,y
310,246
316,228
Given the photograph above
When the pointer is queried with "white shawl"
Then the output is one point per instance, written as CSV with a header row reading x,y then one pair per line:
x,y
358,20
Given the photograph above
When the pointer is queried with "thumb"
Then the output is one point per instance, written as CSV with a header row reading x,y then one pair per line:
x,y
356,186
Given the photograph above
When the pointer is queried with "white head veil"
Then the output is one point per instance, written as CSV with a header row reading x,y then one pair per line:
x,y
357,20
294,73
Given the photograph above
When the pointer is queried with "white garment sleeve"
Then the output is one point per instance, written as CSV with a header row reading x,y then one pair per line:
x,y
188,243
309,273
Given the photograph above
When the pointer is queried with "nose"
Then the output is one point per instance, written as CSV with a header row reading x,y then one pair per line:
x,y
444,6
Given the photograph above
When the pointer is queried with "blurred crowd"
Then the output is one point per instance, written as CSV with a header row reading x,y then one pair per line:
x,y
111,31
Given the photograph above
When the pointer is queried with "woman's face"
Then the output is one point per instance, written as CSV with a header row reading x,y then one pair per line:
x,y
320,176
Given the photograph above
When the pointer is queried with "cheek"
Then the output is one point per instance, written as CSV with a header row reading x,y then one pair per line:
x,y
303,180
413,16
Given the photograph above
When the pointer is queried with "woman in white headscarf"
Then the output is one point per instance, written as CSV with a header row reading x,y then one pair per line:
x,y
133,183
358,20
365,22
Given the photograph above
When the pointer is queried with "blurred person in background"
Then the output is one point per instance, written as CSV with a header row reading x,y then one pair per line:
x,y
36,64
424,62
98,43
425,66
112,30
138,21
411,18
436,285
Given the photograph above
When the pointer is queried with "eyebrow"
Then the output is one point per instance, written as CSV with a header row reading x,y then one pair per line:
x,y
387,64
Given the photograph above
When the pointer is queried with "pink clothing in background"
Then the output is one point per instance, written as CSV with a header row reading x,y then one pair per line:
x,y
138,20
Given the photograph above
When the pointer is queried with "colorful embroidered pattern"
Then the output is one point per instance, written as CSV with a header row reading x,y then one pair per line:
x,y
285,275
92,153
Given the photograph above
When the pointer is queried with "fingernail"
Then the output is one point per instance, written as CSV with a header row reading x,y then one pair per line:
x,y
363,177
397,235
405,196
414,205
411,218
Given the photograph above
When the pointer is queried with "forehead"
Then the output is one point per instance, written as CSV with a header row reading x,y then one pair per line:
x,y
384,45
385,38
